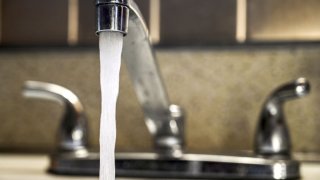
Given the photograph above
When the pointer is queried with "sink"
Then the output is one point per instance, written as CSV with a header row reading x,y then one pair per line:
x,y
192,166
34,167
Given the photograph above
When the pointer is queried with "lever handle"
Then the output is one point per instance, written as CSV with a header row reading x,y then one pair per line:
x,y
72,135
272,135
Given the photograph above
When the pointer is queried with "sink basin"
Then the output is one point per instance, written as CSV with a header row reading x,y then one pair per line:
x,y
192,166
34,167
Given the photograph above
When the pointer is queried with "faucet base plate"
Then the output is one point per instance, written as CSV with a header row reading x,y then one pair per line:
x,y
189,166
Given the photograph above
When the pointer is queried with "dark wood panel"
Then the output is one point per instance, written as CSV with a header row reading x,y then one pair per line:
x,y
35,22
190,22
183,22
87,23
144,6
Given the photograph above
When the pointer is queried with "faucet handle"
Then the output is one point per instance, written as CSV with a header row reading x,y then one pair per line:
x,y
272,135
72,135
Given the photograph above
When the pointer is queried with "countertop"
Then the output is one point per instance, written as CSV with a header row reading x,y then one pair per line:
x,y
33,167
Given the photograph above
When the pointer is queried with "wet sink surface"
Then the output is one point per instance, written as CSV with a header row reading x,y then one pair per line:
x,y
33,167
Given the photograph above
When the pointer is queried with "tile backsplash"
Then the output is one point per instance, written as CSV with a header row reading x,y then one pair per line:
x,y
171,22
221,89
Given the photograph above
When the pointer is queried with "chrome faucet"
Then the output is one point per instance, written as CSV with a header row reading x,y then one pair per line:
x,y
72,134
272,136
164,121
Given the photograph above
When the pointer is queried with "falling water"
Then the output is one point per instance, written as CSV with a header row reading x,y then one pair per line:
x,y
110,60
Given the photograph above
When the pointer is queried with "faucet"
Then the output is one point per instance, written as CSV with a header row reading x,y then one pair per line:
x,y
272,136
164,120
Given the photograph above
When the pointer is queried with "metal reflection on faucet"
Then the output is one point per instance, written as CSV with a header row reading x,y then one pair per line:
x,y
112,16
72,134
279,170
272,136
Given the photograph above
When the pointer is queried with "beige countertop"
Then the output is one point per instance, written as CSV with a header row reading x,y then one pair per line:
x,y
33,167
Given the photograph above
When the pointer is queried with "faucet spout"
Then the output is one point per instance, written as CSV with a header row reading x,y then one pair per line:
x,y
113,16
164,121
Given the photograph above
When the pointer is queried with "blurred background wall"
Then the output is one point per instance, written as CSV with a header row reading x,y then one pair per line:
x,y
220,60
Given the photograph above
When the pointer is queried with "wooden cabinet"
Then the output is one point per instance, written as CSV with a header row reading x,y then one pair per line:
x,y
34,22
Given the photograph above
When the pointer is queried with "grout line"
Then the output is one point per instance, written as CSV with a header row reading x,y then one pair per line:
x,y
73,22
241,26
154,21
